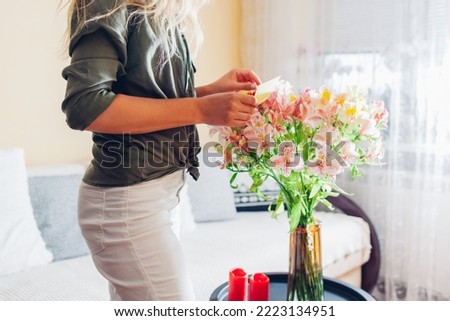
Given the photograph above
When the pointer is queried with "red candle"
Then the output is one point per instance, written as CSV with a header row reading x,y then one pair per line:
x,y
259,287
237,285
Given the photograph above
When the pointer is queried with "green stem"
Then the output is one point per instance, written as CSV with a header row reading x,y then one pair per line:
x,y
272,174
306,219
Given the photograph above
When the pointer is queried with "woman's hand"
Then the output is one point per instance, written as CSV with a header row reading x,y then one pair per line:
x,y
227,109
222,103
234,80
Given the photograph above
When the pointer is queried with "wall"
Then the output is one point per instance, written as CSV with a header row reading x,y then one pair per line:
x,y
31,86
221,21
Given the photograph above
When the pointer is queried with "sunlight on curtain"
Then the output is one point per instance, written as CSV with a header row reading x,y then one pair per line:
x,y
400,51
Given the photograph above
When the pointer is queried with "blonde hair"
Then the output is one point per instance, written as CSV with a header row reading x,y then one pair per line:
x,y
167,16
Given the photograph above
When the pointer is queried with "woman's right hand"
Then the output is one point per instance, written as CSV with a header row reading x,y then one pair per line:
x,y
227,109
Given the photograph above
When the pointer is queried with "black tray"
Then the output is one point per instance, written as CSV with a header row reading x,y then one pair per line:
x,y
335,290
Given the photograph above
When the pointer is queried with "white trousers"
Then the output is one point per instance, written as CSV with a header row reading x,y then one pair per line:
x,y
132,235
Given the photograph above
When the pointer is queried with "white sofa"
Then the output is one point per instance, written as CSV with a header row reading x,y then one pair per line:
x,y
251,240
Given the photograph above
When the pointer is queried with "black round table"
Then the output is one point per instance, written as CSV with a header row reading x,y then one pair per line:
x,y
335,290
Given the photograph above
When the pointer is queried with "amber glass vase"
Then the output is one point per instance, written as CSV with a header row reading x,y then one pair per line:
x,y
305,279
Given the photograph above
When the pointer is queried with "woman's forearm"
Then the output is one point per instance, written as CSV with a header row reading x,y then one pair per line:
x,y
203,91
137,115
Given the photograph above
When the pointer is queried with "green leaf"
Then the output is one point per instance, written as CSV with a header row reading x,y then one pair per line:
x,y
314,190
355,171
261,195
232,179
305,152
303,203
294,217
279,207
316,202
257,182
327,204
333,194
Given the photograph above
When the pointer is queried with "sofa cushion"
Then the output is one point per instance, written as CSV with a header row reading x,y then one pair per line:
x,y
68,280
54,196
21,244
211,197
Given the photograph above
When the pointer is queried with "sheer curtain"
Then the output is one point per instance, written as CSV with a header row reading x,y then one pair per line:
x,y
400,51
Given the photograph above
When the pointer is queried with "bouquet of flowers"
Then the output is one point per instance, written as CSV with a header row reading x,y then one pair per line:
x,y
303,141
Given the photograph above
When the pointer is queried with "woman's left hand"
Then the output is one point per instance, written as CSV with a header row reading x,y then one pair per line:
x,y
234,80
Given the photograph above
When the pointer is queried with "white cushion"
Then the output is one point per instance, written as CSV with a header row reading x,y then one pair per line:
x,y
54,196
21,245
55,170
211,197
69,280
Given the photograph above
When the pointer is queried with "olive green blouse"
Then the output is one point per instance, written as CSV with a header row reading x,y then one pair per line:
x,y
118,55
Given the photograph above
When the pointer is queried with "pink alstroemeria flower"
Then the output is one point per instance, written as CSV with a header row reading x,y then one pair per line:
x,y
258,133
325,165
280,107
283,109
327,135
278,125
287,161
349,154
225,135
368,128
374,152
381,114
227,157
258,137
327,106
305,110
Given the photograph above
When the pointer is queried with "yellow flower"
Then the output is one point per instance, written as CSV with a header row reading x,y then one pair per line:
x,y
326,95
340,99
350,111
292,98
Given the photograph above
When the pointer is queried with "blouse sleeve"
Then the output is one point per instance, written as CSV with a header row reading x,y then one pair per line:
x,y
98,56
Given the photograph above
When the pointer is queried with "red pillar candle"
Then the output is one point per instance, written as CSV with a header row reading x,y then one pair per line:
x,y
237,285
259,287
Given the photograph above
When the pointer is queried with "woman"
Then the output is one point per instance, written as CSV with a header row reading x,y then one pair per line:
x,y
130,82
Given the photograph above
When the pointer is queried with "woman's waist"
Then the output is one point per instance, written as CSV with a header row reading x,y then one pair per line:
x,y
99,176
159,148
121,160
